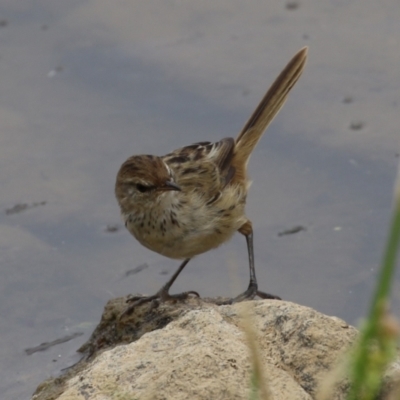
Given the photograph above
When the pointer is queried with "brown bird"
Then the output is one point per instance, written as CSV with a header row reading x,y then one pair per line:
x,y
193,199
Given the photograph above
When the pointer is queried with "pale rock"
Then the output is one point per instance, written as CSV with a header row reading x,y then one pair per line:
x,y
203,354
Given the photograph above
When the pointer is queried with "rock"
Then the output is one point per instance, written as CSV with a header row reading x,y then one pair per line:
x,y
198,350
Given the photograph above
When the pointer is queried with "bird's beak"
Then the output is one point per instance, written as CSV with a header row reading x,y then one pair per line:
x,y
169,185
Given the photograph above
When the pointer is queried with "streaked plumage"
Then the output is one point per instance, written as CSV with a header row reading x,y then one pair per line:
x,y
192,200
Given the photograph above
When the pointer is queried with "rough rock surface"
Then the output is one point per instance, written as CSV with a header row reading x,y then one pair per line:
x,y
201,352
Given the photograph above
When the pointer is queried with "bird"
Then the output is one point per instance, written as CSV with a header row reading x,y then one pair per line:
x,y
192,200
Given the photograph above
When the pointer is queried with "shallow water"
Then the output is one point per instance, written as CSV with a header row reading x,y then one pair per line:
x,y
86,84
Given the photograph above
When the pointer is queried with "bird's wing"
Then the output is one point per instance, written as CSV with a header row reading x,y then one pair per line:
x,y
203,166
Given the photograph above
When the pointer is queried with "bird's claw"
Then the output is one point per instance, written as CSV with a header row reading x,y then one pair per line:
x,y
156,299
250,294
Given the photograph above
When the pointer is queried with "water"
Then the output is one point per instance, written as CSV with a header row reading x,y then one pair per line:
x,y
84,85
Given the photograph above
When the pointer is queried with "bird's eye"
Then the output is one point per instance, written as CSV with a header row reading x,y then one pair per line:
x,y
143,188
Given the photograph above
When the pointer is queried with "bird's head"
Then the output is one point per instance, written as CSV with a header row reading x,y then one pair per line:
x,y
142,180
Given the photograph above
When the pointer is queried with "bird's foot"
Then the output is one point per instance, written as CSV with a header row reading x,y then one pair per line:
x,y
251,292
160,297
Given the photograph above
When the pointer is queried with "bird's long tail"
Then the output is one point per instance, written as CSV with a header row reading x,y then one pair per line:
x,y
266,111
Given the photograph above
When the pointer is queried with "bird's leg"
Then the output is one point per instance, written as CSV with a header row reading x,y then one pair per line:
x,y
252,291
162,295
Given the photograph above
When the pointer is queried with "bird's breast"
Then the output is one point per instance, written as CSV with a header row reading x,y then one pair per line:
x,y
188,227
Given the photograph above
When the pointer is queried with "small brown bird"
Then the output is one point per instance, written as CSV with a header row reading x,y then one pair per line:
x,y
193,199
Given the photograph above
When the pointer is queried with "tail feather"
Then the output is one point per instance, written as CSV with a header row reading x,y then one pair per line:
x,y
266,111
